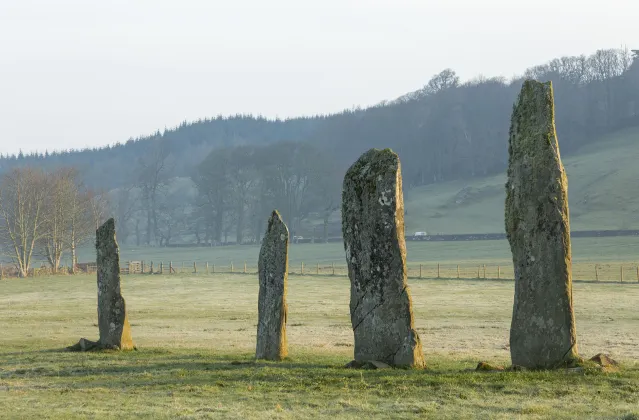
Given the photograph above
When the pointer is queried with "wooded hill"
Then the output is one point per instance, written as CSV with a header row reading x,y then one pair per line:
x,y
240,167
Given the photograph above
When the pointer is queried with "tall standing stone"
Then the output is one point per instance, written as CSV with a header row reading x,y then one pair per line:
x,y
273,276
542,333
373,232
113,322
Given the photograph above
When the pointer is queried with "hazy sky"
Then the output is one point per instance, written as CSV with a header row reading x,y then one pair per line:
x,y
75,73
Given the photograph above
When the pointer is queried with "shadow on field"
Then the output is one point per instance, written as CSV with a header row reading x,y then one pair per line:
x,y
115,370
30,352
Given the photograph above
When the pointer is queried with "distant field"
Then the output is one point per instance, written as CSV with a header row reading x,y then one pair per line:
x,y
190,328
449,252
601,259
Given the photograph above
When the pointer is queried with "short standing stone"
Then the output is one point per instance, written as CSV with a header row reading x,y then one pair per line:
x,y
113,322
543,333
373,232
273,275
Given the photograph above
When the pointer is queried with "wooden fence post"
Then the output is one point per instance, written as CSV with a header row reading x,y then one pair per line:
x,y
207,267
244,267
231,266
420,271
498,272
151,268
621,273
457,270
333,267
302,269
478,268
484,271
161,268
194,267
317,271
596,272
170,267
142,266
437,270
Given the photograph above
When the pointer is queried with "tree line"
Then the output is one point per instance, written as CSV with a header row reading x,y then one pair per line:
x,y
216,180
225,197
446,130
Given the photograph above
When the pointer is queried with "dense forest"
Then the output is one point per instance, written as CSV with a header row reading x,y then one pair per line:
x,y
216,180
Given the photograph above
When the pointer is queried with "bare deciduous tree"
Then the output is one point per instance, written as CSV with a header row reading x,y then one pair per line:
x,y
22,215
58,210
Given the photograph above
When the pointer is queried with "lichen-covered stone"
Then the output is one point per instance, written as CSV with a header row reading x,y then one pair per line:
x,y
373,232
115,331
273,276
543,333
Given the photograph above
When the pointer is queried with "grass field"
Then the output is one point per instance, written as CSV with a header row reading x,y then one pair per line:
x,y
191,329
611,249
602,190
609,253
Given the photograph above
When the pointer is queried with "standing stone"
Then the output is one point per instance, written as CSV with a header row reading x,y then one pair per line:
x,y
113,322
273,275
542,333
373,232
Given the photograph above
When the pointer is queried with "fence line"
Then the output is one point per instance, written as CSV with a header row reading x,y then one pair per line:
x,y
622,272
605,272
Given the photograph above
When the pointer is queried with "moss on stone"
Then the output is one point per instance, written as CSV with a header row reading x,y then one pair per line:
x,y
543,332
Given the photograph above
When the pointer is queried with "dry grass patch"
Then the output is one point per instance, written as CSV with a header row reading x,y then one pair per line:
x,y
196,337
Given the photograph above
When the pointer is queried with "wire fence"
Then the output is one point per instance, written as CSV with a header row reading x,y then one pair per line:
x,y
603,272
621,272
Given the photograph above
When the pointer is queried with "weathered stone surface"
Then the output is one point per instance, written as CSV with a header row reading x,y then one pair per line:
x,y
113,322
373,231
273,275
543,333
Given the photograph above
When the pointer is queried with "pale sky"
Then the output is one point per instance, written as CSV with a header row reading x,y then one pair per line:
x,y
77,73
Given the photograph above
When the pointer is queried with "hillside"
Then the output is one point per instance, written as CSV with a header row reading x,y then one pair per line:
x,y
446,131
602,187
216,180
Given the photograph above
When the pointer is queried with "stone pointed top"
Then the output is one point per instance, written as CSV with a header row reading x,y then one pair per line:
x,y
275,222
108,226
534,115
105,234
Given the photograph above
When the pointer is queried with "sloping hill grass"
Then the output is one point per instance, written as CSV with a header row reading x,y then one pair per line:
x,y
602,188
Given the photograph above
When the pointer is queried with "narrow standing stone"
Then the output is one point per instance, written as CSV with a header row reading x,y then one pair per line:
x,y
373,231
113,322
273,276
542,333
